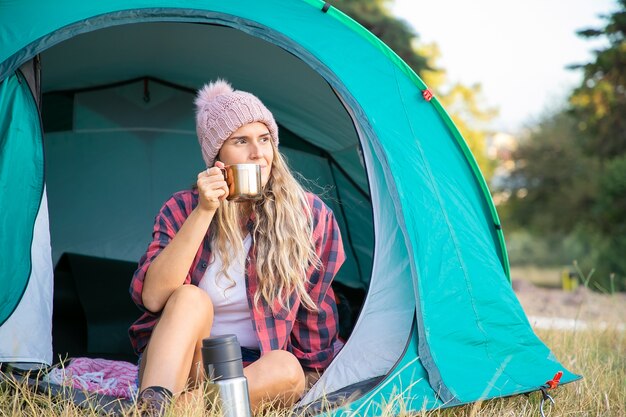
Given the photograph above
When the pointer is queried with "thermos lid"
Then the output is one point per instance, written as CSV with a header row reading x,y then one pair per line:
x,y
218,349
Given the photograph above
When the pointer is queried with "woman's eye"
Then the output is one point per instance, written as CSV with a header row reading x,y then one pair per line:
x,y
265,139
240,140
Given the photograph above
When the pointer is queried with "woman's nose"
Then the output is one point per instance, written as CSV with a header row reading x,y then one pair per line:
x,y
256,151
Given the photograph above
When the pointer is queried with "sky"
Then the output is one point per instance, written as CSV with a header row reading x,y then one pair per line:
x,y
517,50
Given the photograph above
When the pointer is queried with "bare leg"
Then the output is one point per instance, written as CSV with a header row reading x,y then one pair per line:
x,y
172,358
276,378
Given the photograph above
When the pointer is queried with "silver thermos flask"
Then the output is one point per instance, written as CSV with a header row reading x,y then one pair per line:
x,y
221,358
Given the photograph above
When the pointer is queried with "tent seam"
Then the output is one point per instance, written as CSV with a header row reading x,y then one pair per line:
x,y
418,305
482,184
454,240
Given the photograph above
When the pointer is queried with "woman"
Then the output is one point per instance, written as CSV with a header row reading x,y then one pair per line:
x,y
261,270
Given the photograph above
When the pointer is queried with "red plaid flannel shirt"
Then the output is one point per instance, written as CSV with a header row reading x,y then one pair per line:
x,y
309,335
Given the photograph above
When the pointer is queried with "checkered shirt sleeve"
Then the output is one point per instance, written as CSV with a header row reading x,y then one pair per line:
x,y
166,224
314,332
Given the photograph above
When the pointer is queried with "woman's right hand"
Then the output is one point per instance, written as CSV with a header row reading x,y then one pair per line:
x,y
212,188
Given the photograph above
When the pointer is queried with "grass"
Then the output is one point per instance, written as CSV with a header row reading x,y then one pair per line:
x,y
599,355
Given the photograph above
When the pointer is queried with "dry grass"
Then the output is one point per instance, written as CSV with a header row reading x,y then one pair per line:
x,y
599,355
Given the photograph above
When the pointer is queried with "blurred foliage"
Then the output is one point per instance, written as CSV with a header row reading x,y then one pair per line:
x,y
525,249
600,101
569,182
553,186
396,33
610,208
465,104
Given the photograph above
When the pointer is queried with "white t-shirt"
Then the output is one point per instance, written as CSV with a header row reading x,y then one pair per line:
x,y
230,302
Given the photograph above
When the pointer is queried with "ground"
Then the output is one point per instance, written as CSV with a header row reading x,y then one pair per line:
x,y
582,303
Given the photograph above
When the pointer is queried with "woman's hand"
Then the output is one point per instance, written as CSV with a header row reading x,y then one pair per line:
x,y
212,188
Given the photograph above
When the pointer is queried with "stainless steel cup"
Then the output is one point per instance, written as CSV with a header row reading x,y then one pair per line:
x,y
244,182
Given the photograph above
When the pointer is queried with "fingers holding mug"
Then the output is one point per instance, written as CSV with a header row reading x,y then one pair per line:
x,y
209,172
220,165
212,188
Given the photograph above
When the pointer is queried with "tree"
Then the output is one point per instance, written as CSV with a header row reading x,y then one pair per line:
x,y
610,220
610,207
600,101
600,105
396,33
553,186
570,176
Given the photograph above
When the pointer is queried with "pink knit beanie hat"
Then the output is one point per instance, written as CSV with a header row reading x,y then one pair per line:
x,y
220,111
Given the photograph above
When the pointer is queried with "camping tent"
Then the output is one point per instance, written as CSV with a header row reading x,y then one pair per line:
x,y
104,90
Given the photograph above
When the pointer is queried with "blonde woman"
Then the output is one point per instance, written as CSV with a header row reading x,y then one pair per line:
x,y
261,270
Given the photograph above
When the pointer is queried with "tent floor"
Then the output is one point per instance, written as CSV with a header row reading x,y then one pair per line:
x,y
340,397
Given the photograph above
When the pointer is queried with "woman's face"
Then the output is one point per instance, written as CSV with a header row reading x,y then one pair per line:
x,y
250,144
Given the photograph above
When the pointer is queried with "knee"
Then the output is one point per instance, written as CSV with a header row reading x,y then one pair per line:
x,y
190,300
290,372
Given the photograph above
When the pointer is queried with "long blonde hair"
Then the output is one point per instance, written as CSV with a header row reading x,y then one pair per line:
x,y
283,237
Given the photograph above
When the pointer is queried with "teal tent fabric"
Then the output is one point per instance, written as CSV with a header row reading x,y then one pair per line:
x,y
21,185
440,325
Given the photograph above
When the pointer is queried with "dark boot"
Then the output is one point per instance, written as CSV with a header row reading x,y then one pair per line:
x,y
153,401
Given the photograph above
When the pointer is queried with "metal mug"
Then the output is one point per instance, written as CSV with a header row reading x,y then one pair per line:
x,y
244,182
